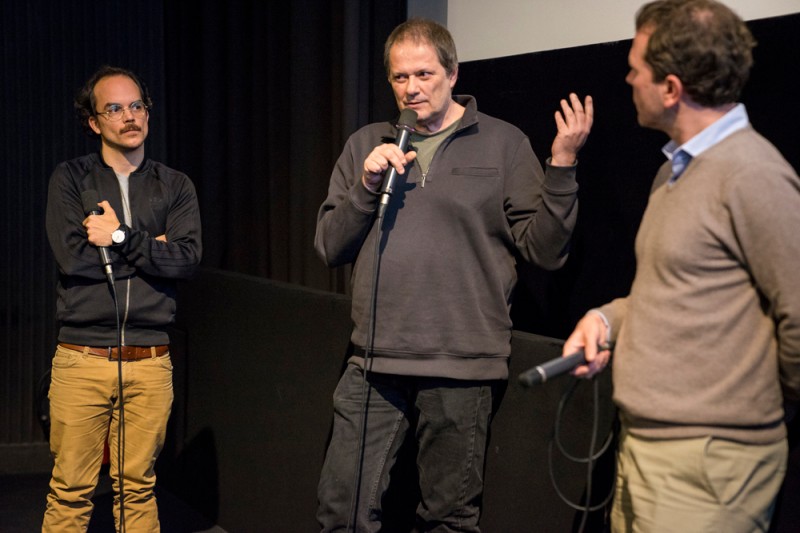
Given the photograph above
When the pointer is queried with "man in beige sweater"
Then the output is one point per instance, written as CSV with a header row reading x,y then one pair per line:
x,y
708,340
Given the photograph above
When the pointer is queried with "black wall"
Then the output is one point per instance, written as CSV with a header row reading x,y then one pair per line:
x,y
619,161
256,366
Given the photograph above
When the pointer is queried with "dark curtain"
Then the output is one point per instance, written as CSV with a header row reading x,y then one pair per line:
x,y
619,160
47,50
261,98
253,100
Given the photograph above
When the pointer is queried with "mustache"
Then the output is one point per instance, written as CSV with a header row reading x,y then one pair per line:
x,y
130,127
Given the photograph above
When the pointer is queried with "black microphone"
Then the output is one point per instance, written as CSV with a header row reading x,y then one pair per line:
x,y
90,200
551,369
405,125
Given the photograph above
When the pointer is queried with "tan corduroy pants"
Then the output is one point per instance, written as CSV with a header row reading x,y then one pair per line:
x,y
84,412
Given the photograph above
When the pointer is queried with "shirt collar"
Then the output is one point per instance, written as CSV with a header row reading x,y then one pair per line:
x,y
732,121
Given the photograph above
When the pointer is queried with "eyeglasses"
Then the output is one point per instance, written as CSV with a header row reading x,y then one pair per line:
x,y
114,112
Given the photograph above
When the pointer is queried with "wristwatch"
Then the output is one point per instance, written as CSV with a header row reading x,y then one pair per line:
x,y
119,235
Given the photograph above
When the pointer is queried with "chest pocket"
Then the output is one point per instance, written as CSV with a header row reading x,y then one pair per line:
x,y
477,188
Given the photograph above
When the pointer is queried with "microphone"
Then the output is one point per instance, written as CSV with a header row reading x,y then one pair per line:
x,y
90,200
551,369
405,125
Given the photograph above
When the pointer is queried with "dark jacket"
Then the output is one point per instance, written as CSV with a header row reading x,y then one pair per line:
x,y
163,202
447,269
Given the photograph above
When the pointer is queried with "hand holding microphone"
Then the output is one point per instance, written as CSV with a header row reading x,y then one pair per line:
x,y
90,201
555,367
592,331
551,369
386,157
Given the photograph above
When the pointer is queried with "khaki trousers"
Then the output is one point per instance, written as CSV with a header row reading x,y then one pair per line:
x,y
703,485
84,411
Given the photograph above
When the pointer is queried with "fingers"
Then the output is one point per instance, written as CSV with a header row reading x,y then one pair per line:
x,y
379,161
105,211
568,111
96,234
590,335
106,207
589,109
584,114
384,156
573,123
596,361
99,227
576,115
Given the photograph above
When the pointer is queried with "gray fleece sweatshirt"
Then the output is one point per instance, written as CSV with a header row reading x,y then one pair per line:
x,y
447,266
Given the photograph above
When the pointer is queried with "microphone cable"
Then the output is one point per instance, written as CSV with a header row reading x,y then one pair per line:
x,y
121,400
405,123
590,459
352,519
90,201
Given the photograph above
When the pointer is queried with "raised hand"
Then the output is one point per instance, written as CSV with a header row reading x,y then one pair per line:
x,y
574,124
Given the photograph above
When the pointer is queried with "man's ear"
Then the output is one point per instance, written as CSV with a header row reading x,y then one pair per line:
x,y
673,90
93,124
454,77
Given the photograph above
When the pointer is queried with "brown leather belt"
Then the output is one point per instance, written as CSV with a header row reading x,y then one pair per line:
x,y
129,353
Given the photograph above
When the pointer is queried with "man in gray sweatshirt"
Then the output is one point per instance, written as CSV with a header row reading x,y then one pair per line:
x,y
470,198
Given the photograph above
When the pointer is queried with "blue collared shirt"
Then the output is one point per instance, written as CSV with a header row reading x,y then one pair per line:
x,y
732,121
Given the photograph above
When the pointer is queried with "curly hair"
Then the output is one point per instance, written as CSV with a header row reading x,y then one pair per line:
x,y
85,100
703,43
419,30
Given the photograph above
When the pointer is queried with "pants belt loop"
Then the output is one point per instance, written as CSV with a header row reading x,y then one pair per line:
x,y
153,352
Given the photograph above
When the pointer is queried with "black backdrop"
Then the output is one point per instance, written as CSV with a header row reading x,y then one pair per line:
x,y
619,161
252,100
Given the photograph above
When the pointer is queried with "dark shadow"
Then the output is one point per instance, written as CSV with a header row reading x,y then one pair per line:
x,y
193,475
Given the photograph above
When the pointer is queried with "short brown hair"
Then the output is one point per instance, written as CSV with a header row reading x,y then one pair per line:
x,y
420,30
703,43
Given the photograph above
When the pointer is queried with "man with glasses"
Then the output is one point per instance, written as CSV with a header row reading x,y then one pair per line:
x,y
112,373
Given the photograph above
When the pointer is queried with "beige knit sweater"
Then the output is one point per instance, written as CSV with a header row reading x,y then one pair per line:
x,y
711,329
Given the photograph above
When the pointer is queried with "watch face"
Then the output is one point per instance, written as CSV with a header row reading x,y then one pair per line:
x,y
118,236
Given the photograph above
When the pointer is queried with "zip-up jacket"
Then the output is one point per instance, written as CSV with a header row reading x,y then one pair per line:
x,y
449,247
162,202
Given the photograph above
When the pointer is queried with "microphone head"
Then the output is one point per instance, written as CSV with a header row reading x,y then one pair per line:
x,y
90,199
408,118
